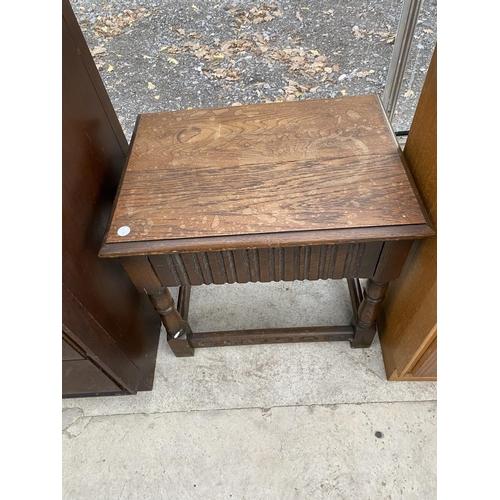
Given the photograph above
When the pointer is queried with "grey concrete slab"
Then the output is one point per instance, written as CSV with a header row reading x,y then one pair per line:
x,y
303,452
264,376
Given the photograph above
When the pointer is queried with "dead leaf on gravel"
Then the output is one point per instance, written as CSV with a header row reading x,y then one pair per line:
x,y
258,15
232,74
151,86
110,68
244,44
222,73
363,74
310,63
202,51
171,60
174,49
358,33
98,51
110,26
299,17
192,45
258,51
389,37
257,37
100,64
294,90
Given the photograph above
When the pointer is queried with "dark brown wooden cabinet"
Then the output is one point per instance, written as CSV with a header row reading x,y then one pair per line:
x,y
110,331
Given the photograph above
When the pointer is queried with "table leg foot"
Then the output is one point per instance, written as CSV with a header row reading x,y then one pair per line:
x,y
365,317
177,328
180,346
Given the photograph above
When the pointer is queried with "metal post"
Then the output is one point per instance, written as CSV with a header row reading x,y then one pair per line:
x,y
402,45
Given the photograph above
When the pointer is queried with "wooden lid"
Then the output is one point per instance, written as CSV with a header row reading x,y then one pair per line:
x,y
263,169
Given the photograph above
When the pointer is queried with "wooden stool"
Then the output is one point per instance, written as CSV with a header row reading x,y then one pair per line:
x,y
268,192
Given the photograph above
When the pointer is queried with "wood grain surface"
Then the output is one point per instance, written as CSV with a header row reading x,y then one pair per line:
x,y
426,366
408,320
271,336
268,240
82,377
103,314
268,168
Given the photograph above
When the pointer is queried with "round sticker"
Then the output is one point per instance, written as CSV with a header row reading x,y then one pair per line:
x,y
123,231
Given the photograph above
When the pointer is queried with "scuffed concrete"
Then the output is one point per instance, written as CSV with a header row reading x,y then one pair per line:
x,y
302,452
265,375
289,421
70,415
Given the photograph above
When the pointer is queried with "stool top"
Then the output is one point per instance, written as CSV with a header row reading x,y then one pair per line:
x,y
262,172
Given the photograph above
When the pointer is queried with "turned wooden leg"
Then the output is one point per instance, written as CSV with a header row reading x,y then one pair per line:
x,y
145,279
364,319
177,328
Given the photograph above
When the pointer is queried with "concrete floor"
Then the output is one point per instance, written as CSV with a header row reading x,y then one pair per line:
x,y
294,421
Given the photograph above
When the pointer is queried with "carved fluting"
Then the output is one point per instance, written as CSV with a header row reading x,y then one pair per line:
x,y
271,256
180,269
253,257
229,266
279,254
205,268
267,264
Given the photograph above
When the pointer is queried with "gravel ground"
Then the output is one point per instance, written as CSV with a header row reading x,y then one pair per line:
x,y
168,55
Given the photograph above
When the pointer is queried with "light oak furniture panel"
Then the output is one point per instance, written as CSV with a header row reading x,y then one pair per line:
x,y
408,320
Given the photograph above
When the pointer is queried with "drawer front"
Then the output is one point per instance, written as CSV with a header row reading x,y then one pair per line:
x,y
268,264
80,377
69,353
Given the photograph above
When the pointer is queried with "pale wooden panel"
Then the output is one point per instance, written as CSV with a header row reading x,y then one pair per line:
x,y
409,317
426,366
